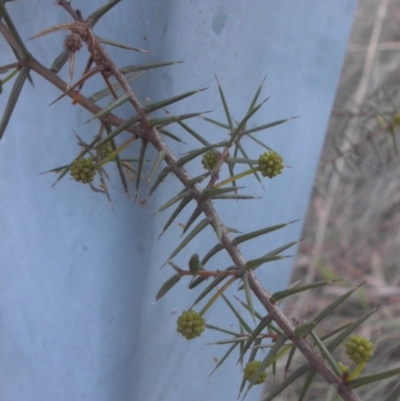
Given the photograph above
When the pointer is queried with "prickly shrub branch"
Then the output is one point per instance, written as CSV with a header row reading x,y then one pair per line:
x,y
270,327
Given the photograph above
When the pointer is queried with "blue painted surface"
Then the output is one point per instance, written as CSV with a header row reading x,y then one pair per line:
x,y
78,318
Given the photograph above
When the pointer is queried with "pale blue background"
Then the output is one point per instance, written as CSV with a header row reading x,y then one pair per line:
x,y
78,318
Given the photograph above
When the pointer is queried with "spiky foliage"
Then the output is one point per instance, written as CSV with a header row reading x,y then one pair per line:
x,y
268,329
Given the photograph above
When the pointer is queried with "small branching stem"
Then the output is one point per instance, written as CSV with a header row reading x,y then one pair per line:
x,y
207,274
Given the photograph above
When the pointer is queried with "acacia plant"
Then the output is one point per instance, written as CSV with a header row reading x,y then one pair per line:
x,y
219,181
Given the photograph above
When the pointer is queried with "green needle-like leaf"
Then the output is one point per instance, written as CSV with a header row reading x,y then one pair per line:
x,y
198,179
203,224
115,153
260,143
242,124
247,291
142,67
162,122
14,32
256,96
256,332
251,264
219,191
334,332
156,165
163,174
290,359
236,313
233,230
119,164
231,169
236,339
116,103
167,286
193,133
334,305
60,60
225,104
254,234
13,98
306,385
245,237
266,126
216,296
222,330
217,123
117,131
257,315
142,157
234,178
120,45
197,212
217,228
326,354
185,201
56,169
362,381
183,194
211,253
348,330
251,166
163,103
285,293
171,135
234,196
287,382
304,329
106,91
96,15
116,87
224,358
282,248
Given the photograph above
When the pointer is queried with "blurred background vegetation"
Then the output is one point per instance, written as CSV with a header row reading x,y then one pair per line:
x,y
352,226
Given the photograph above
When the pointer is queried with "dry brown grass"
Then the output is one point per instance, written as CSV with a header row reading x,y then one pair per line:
x,y
352,227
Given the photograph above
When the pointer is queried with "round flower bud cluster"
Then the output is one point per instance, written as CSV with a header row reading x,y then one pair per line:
x,y
83,170
210,160
104,150
190,324
343,368
359,349
396,119
73,42
270,164
252,368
